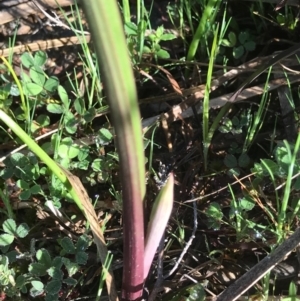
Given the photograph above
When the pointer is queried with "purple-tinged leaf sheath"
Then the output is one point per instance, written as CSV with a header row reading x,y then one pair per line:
x,y
160,215
133,249
116,71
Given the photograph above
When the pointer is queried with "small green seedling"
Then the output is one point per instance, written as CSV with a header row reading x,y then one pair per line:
x,y
155,39
151,43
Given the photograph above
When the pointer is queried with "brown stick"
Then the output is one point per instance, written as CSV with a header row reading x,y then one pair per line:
x,y
43,45
21,9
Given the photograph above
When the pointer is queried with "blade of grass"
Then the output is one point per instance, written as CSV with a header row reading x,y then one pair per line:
x,y
259,116
201,31
287,190
106,267
12,72
87,60
185,6
263,162
205,113
126,11
238,225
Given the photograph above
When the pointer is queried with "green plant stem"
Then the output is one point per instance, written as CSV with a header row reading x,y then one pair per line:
x,y
111,49
35,148
269,213
126,11
87,60
12,72
106,266
238,227
205,113
258,117
202,27
287,190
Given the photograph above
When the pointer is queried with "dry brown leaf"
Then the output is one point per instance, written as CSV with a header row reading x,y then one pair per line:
x,y
172,80
91,217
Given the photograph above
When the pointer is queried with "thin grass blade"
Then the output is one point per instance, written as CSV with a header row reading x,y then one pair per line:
x,y
205,113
